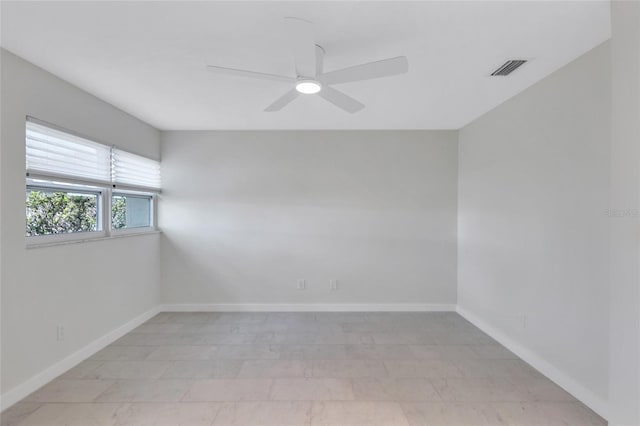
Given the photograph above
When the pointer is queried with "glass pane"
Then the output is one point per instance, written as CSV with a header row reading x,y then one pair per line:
x,y
52,211
130,211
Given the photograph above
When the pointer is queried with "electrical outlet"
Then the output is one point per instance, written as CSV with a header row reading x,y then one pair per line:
x,y
302,284
60,333
333,285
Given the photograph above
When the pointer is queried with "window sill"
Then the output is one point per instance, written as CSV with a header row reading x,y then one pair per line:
x,y
35,245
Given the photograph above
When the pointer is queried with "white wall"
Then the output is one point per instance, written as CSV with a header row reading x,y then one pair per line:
x,y
625,227
90,288
533,234
247,214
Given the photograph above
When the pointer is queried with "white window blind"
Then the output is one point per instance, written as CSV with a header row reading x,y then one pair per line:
x,y
134,170
51,152
55,153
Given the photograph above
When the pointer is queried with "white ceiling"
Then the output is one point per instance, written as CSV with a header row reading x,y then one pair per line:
x,y
148,58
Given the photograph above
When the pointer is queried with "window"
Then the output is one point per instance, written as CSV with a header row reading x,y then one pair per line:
x,y
131,211
61,211
78,189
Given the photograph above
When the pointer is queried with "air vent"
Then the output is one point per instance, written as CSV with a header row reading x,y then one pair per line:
x,y
509,67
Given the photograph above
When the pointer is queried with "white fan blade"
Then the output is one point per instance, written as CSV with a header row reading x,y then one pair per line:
x,y
384,68
282,101
303,46
251,74
319,60
340,100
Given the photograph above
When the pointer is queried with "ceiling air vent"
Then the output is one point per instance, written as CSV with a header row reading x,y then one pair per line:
x,y
509,67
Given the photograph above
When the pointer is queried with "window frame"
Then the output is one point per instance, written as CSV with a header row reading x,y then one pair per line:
x,y
51,186
104,220
52,182
140,229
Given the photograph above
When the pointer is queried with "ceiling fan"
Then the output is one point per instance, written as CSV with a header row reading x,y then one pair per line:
x,y
310,76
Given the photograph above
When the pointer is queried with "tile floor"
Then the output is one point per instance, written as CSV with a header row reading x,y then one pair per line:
x,y
387,369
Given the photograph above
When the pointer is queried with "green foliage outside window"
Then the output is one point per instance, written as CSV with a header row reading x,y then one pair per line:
x,y
118,212
60,213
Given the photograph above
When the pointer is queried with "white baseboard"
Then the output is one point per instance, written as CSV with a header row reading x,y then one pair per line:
x,y
308,307
14,395
584,395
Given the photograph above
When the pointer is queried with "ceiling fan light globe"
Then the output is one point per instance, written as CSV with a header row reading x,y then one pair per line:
x,y
308,87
